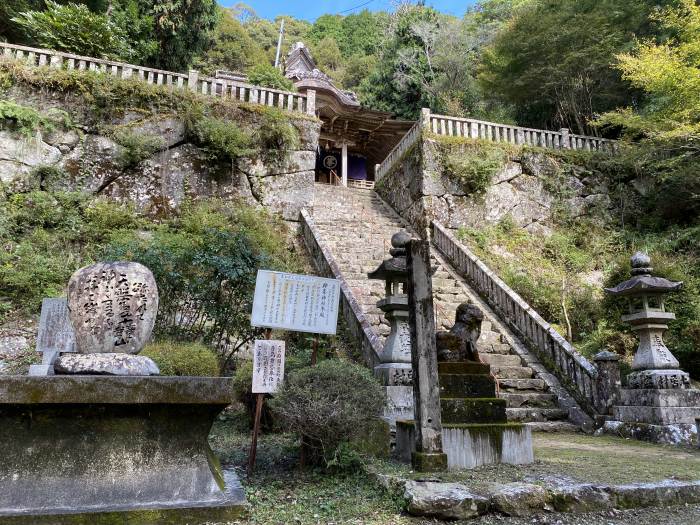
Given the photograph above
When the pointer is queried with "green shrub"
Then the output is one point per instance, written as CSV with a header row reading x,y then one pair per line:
x,y
183,359
106,217
137,146
26,120
328,404
473,165
222,139
276,134
265,75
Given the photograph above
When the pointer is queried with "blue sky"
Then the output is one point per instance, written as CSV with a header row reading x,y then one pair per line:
x,y
312,9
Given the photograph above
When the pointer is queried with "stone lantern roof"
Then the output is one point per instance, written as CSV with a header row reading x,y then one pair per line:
x,y
394,268
642,282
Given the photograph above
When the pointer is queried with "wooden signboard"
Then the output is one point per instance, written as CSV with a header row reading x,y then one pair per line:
x,y
268,366
301,303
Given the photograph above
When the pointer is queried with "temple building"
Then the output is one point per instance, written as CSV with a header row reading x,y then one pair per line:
x,y
354,139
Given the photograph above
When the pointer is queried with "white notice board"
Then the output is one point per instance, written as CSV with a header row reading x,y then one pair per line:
x,y
268,366
301,303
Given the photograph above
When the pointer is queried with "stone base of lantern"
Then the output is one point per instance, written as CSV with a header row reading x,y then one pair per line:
x,y
399,391
658,379
103,449
656,415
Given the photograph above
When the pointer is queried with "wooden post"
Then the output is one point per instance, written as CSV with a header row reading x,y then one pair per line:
x,y
426,388
344,164
314,350
259,400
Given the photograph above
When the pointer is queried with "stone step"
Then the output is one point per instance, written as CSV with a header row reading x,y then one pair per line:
x,y
535,414
494,348
515,385
553,426
501,360
529,399
512,372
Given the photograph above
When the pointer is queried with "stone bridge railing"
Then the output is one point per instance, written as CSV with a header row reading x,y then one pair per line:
x,y
217,87
478,129
357,323
573,370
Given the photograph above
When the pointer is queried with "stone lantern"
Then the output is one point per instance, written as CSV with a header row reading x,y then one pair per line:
x,y
653,366
396,354
394,369
657,404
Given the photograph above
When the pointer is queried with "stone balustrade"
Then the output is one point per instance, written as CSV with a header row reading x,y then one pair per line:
x,y
408,140
356,321
557,354
478,129
217,87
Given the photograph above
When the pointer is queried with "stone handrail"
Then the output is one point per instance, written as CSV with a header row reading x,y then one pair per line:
x,y
408,140
562,359
357,323
299,102
478,129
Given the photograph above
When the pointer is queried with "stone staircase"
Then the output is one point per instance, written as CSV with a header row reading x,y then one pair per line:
x,y
356,226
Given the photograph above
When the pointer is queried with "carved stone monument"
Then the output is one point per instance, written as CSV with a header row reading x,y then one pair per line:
x,y
107,442
395,370
658,404
55,335
112,307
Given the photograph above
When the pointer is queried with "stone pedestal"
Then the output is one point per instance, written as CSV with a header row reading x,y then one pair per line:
x,y
475,430
111,449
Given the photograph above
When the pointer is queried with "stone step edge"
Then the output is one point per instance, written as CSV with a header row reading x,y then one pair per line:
x,y
449,501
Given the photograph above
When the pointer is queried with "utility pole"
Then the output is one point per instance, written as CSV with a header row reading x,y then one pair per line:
x,y
279,44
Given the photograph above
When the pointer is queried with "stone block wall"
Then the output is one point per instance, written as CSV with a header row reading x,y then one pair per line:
x,y
88,160
420,191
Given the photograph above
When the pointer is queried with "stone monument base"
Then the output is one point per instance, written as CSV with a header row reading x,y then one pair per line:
x,y
472,445
656,415
108,449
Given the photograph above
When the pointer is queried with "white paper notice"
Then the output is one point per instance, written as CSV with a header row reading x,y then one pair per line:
x,y
268,366
301,303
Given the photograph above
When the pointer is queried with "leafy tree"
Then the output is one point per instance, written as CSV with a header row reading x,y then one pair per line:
x,y
552,60
264,74
232,49
327,55
74,28
182,29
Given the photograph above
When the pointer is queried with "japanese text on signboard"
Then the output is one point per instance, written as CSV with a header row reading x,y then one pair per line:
x,y
296,302
268,366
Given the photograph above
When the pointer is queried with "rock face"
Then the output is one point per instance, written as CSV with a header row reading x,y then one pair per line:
x,y
106,364
85,159
418,189
113,307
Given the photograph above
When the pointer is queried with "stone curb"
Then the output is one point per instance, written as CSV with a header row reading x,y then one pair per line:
x,y
457,501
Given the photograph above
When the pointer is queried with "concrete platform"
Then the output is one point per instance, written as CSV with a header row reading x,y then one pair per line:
x,y
108,449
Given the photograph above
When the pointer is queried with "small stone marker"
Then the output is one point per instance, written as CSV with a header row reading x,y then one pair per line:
x,y
55,335
113,307
268,366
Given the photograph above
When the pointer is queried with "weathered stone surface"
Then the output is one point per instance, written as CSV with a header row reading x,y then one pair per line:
x,y
13,345
113,307
519,499
106,364
118,445
19,155
64,140
170,128
443,500
286,194
55,330
671,434
90,165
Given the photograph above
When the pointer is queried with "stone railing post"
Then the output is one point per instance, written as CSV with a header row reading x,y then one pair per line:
x,y
565,139
425,118
192,79
520,136
55,61
311,102
608,381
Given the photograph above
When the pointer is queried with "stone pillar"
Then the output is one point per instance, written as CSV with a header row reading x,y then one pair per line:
x,y
520,136
344,163
608,381
55,61
426,388
192,79
311,102
425,118
565,140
